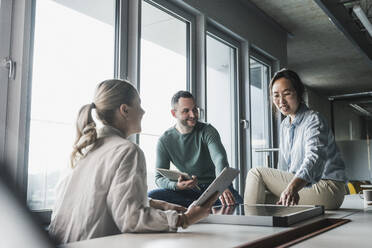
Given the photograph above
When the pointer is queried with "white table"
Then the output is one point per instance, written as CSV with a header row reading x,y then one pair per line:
x,y
357,233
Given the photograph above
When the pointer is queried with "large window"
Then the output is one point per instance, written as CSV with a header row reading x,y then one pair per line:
x,y
221,98
73,51
164,67
260,106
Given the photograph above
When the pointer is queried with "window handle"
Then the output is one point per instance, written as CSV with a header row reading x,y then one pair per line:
x,y
10,65
245,123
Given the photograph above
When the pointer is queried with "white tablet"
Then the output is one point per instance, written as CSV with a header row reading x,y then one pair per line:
x,y
219,185
173,174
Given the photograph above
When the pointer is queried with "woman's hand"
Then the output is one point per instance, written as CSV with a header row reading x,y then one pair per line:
x,y
176,207
196,213
163,205
290,196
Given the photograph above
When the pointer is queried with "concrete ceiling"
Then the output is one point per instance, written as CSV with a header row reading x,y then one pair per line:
x,y
326,60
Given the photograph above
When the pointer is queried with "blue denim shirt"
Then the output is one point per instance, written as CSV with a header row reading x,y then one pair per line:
x,y
308,148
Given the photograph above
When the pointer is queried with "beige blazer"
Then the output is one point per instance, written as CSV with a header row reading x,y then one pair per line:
x,y
106,193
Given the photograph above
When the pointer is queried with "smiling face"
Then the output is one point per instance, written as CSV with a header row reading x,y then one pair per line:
x,y
285,97
186,113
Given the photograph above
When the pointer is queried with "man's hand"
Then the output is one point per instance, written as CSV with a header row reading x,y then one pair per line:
x,y
223,210
227,198
183,184
163,205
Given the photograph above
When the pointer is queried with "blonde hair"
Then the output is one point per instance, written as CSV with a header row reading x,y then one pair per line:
x,y
109,95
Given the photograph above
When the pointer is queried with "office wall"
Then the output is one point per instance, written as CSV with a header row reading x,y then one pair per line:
x,y
320,103
348,124
356,154
348,133
248,22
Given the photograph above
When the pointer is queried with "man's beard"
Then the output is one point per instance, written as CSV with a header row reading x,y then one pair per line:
x,y
185,124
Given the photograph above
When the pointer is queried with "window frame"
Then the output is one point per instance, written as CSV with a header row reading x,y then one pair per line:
x,y
5,28
260,58
190,20
126,66
45,214
214,32
18,95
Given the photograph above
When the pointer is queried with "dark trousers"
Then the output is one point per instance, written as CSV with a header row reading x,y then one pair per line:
x,y
187,196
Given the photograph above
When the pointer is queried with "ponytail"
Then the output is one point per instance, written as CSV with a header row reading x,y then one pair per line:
x,y
109,95
86,133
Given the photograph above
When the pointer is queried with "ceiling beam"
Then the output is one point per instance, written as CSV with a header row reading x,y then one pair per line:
x,y
344,22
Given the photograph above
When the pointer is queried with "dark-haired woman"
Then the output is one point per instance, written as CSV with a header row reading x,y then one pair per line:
x,y
311,171
106,191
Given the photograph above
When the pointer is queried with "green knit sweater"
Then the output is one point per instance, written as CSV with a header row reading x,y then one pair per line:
x,y
199,153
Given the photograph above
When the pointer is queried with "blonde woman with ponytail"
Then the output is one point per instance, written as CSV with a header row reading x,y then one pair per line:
x,y
105,192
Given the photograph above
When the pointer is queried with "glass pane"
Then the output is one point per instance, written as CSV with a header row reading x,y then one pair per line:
x,y
220,92
259,120
163,73
73,51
